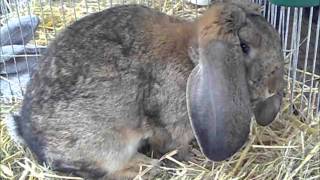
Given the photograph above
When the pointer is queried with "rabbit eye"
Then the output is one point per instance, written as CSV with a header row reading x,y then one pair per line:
x,y
245,48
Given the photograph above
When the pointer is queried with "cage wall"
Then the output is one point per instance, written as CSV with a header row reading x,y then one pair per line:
x,y
27,26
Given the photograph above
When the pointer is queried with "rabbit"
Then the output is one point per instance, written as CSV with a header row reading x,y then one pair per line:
x,y
129,74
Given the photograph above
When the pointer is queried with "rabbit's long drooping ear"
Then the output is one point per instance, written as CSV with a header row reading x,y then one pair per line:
x,y
218,101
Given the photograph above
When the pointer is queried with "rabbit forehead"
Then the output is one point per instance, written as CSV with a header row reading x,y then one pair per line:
x,y
259,33
265,40
265,47
220,22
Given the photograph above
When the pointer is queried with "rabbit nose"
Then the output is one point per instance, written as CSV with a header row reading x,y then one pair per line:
x,y
274,82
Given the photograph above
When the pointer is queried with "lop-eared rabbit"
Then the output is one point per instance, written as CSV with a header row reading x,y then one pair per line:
x,y
130,74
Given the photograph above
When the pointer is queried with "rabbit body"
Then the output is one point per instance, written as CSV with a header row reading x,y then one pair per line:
x,y
118,77
101,86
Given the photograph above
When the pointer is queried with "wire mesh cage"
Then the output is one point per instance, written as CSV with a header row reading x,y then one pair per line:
x,y
27,26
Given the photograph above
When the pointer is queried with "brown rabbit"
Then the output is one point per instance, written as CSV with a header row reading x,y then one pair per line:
x,y
118,77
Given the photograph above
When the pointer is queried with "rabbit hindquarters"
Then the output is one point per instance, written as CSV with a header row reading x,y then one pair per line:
x,y
83,110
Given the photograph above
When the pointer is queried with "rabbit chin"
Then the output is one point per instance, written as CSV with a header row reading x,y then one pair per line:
x,y
12,129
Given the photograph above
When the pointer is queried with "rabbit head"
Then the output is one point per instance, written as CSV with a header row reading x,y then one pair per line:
x,y
239,73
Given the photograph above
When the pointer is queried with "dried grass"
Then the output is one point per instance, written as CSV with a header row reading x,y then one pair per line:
x,y
287,149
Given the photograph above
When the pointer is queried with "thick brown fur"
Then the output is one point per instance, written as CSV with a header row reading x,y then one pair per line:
x,y
118,77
